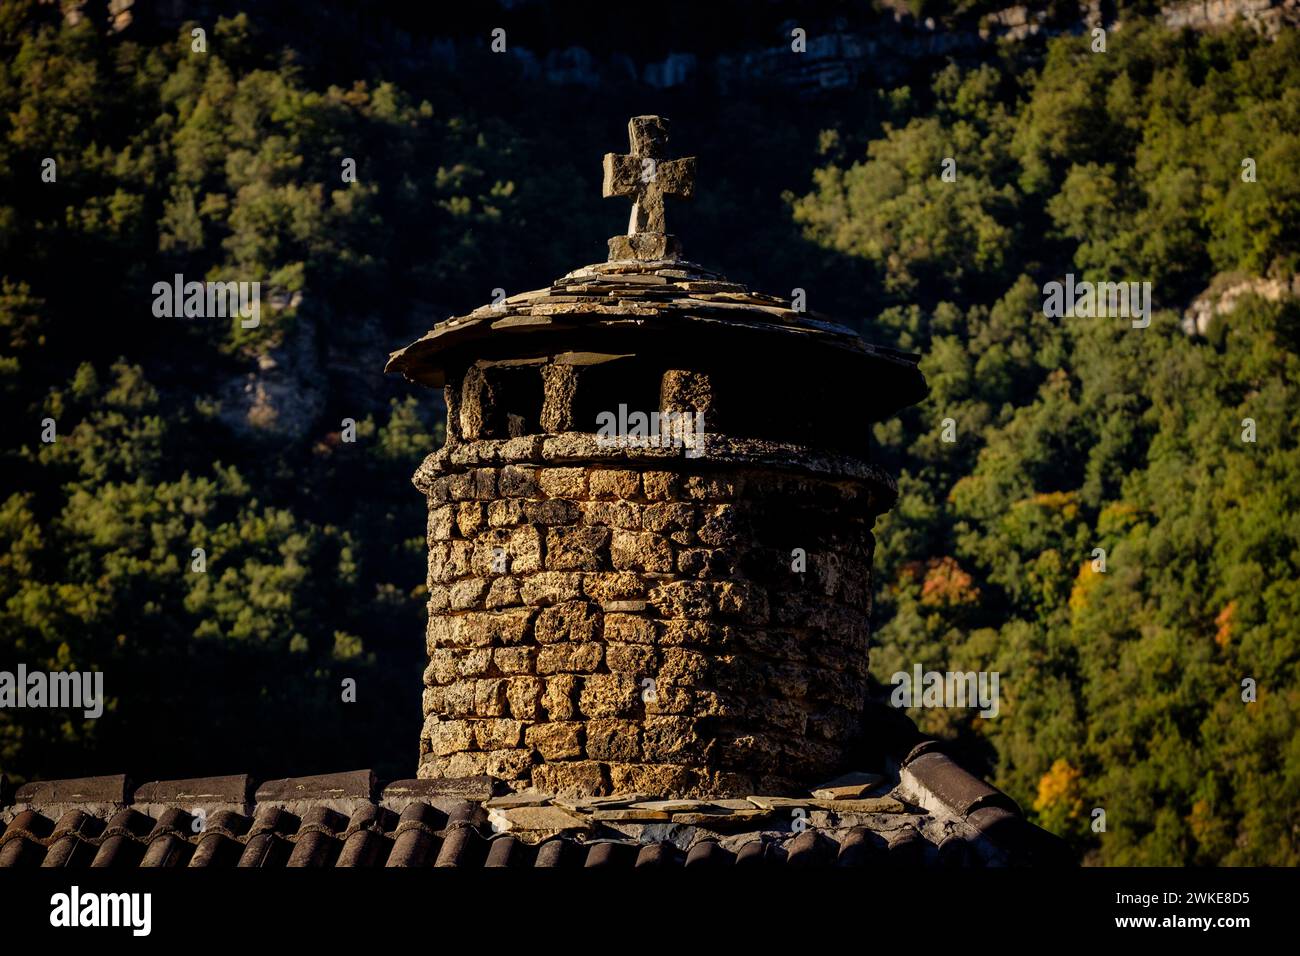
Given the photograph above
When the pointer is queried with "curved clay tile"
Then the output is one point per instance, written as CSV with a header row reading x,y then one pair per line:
x,y
414,839
267,844
316,843
168,842
20,846
71,840
218,845
123,843
366,843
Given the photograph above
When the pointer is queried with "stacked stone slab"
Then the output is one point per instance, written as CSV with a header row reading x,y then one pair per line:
x,y
623,616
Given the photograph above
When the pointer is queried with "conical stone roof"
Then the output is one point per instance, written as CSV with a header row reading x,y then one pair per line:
x,y
635,306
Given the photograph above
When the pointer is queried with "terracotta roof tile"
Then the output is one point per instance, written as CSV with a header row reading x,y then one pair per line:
x,y
754,853
556,853
505,850
414,840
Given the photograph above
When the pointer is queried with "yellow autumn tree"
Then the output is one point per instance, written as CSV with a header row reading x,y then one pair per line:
x,y
1060,796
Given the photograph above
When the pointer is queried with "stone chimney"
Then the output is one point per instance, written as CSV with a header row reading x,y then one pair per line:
x,y
650,526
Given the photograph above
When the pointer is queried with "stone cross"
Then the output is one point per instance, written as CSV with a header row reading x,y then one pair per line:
x,y
647,177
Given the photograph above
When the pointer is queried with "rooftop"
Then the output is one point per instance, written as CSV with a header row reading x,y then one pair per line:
x,y
927,812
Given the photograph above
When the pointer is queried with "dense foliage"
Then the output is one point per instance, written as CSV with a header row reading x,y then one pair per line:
x,y
1120,690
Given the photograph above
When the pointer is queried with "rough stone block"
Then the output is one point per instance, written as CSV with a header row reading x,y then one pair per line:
x,y
475,663
679,664
640,551
610,695
560,388
458,699
468,593
712,487
477,401
549,511
652,778
644,247
439,598
524,697
572,622
524,548
688,599
502,593
612,739
634,659
602,586
667,697
515,660
439,555
613,483
577,548
685,391
470,518
661,485
705,563
499,734
460,487
442,522
431,700
550,588
446,737
518,481
559,699
616,514
488,628
741,599
557,740
721,526
505,512
490,698
629,629
578,778
668,516
438,633
563,482
569,658
451,564
433,767
442,666
671,740
438,492
508,764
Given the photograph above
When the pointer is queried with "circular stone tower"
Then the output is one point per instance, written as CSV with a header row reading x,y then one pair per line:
x,y
650,526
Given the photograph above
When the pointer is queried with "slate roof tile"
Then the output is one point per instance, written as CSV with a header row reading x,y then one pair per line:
x,y
586,309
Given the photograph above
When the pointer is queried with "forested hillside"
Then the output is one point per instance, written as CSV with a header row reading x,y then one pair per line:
x,y
1120,690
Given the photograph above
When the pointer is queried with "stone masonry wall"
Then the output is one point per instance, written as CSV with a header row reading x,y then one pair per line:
x,y
598,629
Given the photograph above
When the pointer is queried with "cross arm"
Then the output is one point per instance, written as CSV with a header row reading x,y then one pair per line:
x,y
677,177
621,175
